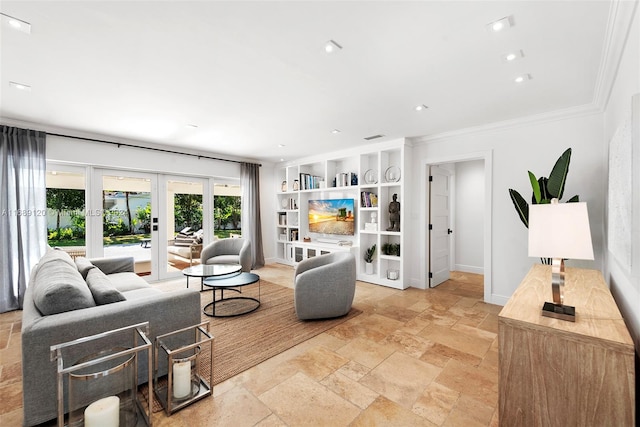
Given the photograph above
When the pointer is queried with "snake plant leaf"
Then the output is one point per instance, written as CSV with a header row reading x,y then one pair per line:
x,y
535,186
522,207
558,175
574,199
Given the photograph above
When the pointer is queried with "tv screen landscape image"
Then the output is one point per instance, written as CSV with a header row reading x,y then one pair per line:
x,y
332,216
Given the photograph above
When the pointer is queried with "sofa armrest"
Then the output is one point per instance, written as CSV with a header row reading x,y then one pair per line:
x,y
114,265
165,311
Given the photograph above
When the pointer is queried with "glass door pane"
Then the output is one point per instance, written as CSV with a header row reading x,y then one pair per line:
x,y
184,224
66,209
127,218
227,202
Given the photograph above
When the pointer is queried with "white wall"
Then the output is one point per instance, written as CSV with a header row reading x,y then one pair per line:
x,y
106,155
469,216
626,289
533,144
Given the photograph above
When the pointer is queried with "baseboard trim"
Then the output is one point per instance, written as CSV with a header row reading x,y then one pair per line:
x,y
469,269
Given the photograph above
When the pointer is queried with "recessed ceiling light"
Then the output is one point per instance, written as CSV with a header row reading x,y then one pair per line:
x,y
192,126
281,145
20,86
332,46
420,107
16,23
282,160
512,56
500,25
522,78
335,131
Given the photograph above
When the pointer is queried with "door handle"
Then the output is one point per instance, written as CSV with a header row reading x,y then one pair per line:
x,y
449,231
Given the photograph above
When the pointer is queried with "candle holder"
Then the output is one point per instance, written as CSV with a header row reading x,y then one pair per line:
x,y
102,382
183,367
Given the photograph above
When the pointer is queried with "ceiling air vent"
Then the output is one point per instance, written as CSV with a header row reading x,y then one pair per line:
x,y
369,138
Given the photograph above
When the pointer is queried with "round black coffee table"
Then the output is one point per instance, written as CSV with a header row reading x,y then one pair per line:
x,y
210,270
231,306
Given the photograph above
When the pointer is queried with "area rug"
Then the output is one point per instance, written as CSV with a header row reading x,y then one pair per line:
x,y
244,341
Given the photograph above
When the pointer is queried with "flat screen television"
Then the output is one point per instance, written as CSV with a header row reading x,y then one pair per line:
x,y
332,216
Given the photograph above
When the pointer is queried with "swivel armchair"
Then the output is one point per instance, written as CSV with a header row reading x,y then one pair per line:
x,y
228,251
324,286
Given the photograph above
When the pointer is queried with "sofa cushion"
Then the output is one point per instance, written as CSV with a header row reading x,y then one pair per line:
x,y
125,282
184,241
101,288
84,265
142,293
59,287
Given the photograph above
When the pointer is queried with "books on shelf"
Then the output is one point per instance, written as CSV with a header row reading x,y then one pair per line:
x,y
310,182
368,199
346,179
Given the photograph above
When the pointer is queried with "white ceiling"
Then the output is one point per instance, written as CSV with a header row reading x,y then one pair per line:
x,y
252,75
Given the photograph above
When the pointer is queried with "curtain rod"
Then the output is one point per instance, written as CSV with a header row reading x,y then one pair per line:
x,y
162,150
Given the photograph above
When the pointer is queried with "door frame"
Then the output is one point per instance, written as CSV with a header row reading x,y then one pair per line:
x,y
424,254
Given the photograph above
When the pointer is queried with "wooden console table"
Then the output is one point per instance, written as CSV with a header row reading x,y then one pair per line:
x,y
556,373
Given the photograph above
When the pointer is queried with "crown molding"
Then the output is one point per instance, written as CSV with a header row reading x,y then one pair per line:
x,y
550,116
620,20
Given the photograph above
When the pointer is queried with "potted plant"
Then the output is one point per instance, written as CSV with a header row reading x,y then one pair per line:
x,y
368,259
544,189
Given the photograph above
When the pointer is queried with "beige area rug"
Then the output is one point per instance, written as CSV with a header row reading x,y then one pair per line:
x,y
244,341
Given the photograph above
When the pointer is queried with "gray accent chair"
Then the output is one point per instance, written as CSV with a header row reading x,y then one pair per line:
x,y
228,251
324,286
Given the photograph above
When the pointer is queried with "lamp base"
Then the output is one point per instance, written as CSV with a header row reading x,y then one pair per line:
x,y
559,311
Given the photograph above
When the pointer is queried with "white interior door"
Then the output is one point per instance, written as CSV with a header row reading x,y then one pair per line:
x,y
439,231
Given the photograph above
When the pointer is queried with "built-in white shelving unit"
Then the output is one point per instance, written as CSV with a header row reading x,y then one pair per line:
x,y
370,176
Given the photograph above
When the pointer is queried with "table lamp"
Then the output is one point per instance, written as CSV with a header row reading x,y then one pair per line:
x,y
559,231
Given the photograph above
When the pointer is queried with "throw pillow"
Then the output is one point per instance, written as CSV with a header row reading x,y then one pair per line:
x,y
56,255
84,265
101,288
59,287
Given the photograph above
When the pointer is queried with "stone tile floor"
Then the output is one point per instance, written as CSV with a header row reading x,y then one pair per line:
x,y
412,358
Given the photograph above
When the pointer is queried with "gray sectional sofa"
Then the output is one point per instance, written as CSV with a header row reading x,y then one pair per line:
x,y
68,299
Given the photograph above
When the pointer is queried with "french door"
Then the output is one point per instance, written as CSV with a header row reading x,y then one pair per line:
x,y
141,214
184,209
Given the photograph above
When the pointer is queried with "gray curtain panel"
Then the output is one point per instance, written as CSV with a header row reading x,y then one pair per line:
x,y
251,224
23,211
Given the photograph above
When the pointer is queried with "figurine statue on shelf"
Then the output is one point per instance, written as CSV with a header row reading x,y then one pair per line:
x,y
394,214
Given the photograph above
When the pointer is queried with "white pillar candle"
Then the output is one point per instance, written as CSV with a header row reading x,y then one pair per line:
x,y
103,413
181,379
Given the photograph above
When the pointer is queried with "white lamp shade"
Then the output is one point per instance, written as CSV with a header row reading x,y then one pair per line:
x,y
560,230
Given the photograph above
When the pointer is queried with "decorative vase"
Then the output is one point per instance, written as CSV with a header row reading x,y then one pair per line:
x,y
368,267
